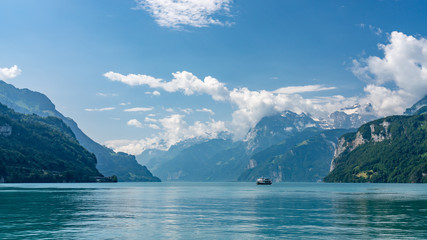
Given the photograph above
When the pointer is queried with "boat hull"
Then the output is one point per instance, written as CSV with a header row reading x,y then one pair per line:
x,y
265,183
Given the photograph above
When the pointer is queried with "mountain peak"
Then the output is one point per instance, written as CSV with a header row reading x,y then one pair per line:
x,y
417,106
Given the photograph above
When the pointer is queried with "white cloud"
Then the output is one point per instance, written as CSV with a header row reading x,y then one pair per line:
x,y
99,109
135,80
397,80
154,93
153,126
254,105
378,31
183,81
186,110
173,130
8,73
135,123
124,103
106,94
301,89
178,13
207,110
139,109
147,119
251,105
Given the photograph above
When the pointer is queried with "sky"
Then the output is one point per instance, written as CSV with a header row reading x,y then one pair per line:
x,y
147,74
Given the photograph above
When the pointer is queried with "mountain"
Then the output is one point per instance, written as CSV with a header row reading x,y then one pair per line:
x,y
194,163
306,157
41,149
349,117
124,166
418,108
387,150
272,129
153,158
298,136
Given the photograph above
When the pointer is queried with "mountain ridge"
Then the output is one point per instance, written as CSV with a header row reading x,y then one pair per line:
x,y
123,165
42,149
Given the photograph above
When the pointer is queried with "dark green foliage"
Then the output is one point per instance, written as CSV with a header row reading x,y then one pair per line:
x,y
42,149
400,158
124,166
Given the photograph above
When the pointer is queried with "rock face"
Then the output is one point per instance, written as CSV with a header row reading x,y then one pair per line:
x,y
304,157
41,149
124,166
392,149
273,129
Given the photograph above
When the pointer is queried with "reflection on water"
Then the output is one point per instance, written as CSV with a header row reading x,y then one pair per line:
x,y
212,211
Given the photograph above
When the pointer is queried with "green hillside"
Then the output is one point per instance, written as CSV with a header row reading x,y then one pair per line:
x,y
124,166
41,149
388,150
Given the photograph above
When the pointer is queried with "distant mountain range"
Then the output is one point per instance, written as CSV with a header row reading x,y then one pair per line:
x,y
298,147
284,147
124,166
41,149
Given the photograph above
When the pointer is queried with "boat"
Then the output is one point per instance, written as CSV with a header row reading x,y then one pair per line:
x,y
263,181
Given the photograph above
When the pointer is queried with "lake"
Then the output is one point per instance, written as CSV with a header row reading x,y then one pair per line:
x,y
183,210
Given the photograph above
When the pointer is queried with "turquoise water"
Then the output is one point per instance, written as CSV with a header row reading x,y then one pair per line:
x,y
213,211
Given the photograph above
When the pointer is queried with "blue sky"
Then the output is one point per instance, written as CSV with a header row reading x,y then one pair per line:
x,y
246,49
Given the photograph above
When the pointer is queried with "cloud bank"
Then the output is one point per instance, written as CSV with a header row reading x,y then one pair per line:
x,y
178,13
175,129
398,79
394,82
9,73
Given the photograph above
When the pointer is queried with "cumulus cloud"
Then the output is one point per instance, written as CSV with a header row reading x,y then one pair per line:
x,y
394,82
8,73
254,105
139,109
178,13
183,81
251,105
99,109
135,123
397,80
174,129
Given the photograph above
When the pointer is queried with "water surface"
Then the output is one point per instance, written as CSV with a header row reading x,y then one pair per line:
x,y
213,211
